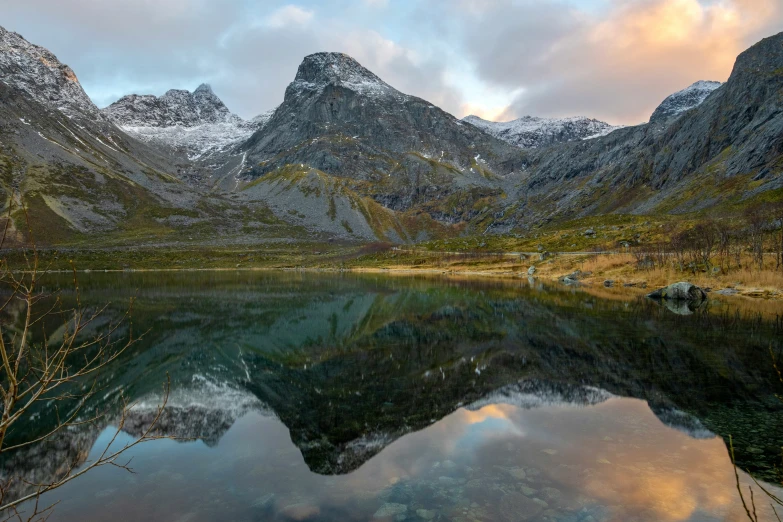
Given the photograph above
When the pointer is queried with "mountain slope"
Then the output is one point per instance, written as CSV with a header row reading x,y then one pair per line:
x,y
347,156
532,132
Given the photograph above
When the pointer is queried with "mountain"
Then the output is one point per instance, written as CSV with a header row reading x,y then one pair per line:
x,y
197,123
349,154
348,157
73,169
532,132
684,100
728,148
335,107
82,178
40,75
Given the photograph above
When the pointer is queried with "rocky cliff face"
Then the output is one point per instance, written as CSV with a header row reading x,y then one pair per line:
x,y
684,100
530,132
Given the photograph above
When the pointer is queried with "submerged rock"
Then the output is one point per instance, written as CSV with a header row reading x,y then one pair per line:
x,y
516,506
391,510
682,291
426,514
573,278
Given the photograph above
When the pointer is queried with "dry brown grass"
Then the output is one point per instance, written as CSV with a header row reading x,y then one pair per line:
x,y
622,269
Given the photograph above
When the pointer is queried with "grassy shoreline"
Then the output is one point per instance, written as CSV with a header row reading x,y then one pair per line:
x,y
595,268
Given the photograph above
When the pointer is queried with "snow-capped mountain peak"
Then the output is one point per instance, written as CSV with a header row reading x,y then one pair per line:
x,y
176,107
197,122
535,132
684,100
322,69
39,73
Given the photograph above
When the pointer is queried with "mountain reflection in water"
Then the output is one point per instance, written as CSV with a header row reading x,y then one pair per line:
x,y
351,397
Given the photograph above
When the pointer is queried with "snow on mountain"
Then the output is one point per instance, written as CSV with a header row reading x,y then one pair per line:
x,y
39,73
533,132
204,410
198,123
684,100
337,69
532,394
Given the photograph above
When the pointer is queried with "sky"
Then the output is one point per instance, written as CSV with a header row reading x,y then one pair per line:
x,y
614,60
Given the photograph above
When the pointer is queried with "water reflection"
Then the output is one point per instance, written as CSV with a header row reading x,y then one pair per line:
x,y
612,461
346,397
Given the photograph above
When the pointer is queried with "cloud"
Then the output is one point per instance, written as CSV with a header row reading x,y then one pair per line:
x,y
376,3
289,15
248,52
497,58
618,64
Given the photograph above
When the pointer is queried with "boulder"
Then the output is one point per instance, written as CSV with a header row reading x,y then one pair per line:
x,y
682,291
571,279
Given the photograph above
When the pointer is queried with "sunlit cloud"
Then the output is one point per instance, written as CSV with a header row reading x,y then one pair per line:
x,y
620,66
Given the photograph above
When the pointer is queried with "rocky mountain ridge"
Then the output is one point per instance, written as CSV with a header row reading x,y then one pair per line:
x,y
177,107
531,132
197,122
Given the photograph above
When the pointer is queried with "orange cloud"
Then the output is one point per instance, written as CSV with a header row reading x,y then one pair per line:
x,y
619,67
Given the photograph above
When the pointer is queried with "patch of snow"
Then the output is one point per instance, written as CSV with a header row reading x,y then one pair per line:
x,y
531,394
197,123
684,100
317,71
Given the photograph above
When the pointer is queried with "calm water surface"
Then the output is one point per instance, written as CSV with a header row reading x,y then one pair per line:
x,y
309,397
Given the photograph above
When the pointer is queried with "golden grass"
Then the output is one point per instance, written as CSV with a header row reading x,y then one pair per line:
x,y
622,269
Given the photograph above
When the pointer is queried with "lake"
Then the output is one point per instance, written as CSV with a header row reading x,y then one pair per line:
x,y
341,397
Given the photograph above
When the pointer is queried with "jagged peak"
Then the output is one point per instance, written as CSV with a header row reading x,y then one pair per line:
x,y
703,84
177,107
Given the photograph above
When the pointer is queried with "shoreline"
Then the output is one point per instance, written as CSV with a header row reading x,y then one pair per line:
x,y
631,288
